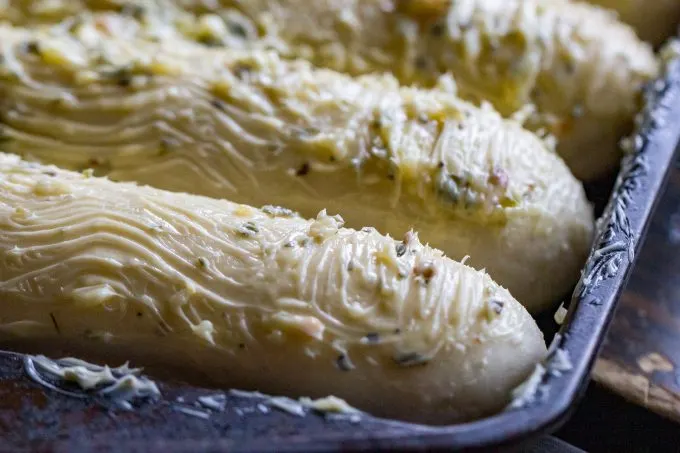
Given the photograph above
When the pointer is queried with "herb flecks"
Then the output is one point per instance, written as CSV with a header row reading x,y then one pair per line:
x,y
210,41
122,77
132,10
371,338
449,188
410,359
237,29
242,70
219,105
248,229
127,76
277,211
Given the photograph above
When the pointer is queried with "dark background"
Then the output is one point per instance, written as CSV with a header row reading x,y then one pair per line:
x,y
605,422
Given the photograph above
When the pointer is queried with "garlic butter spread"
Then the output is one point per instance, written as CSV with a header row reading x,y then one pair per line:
x,y
254,299
253,128
114,387
581,67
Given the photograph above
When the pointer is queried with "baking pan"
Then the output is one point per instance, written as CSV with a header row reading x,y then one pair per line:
x,y
35,418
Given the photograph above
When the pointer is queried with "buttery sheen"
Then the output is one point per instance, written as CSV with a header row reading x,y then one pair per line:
x,y
255,299
253,128
580,67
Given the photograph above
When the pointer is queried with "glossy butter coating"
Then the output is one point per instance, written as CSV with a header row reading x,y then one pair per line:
x,y
581,67
256,129
255,298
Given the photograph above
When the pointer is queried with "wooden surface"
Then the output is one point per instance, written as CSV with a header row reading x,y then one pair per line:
x,y
640,359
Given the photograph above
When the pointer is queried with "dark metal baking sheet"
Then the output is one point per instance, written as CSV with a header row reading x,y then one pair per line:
x,y
32,418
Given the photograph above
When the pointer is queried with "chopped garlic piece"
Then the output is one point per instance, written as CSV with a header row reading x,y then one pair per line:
x,y
309,325
325,226
205,330
92,296
560,314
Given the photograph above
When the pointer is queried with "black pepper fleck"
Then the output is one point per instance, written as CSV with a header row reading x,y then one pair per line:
x,y
303,170
167,144
401,249
140,314
124,81
344,363
32,47
219,105
241,346
426,271
54,322
437,29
